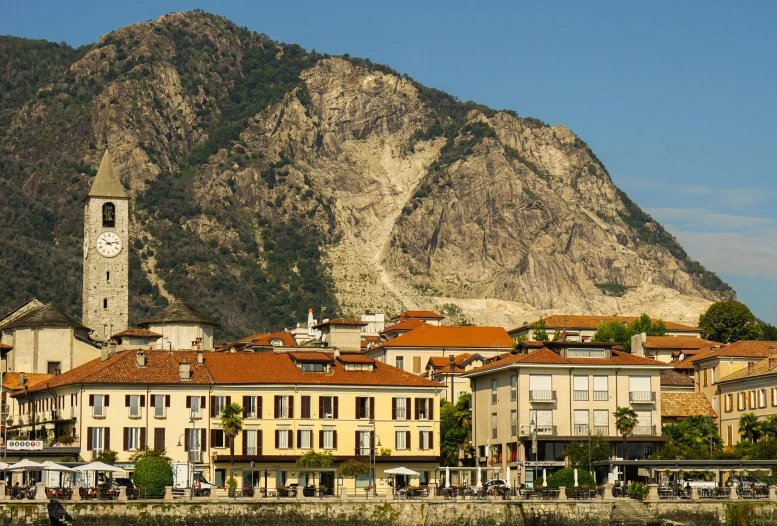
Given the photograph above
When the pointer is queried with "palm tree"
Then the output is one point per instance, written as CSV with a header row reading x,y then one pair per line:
x,y
750,427
769,426
625,422
232,424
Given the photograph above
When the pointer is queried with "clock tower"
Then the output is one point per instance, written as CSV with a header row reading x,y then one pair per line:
x,y
106,254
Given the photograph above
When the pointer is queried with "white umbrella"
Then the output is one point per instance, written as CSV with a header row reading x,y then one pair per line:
x,y
480,479
98,466
3,466
575,477
53,466
24,465
401,471
447,476
507,476
544,478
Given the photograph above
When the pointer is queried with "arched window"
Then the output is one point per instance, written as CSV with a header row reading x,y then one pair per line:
x,y
109,215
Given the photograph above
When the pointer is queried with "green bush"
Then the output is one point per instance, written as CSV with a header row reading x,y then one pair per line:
x,y
566,478
153,474
637,490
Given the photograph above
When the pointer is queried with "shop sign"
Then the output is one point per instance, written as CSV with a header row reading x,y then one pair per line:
x,y
24,445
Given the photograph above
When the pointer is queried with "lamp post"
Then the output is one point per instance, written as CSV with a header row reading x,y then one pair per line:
x,y
533,431
189,454
372,455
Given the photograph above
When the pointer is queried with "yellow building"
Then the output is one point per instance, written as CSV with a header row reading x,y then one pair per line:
x,y
294,402
579,328
564,391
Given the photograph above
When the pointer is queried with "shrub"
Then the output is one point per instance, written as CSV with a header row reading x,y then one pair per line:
x,y
153,474
637,490
566,478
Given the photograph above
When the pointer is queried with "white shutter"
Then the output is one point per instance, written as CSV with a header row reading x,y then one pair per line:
x,y
543,417
601,418
639,383
600,383
581,417
644,418
581,383
540,382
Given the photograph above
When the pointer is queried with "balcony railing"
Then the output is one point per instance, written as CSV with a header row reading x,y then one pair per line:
x,y
252,450
134,412
580,395
644,431
195,456
642,397
98,412
160,412
542,396
581,429
601,396
546,430
362,451
602,430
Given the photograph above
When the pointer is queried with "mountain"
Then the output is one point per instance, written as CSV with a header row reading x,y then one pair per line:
x,y
266,180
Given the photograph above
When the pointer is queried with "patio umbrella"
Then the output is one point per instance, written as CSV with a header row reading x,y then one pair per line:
x,y
25,465
575,477
480,479
544,478
98,466
447,476
401,471
507,476
53,466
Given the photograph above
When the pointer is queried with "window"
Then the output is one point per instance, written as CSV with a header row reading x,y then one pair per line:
x,y
363,442
425,440
586,353
109,215
399,408
134,403
601,422
105,303
761,397
98,404
581,422
424,408
712,375
715,403
774,397
541,388
543,421
327,436
304,407
513,388
313,367
493,425
729,436
98,435
282,407
282,438
305,438
108,276
704,376
193,439
133,438
365,407
513,422
640,390
580,384
250,442
195,404
600,388
416,364
399,362
728,403
217,438
160,403
219,403
327,407
493,392
400,440
251,407
54,367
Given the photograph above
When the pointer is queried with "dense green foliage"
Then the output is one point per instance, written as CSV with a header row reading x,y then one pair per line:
x,y
728,322
455,429
566,477
538,331
581,451
617,332
613,289
625,422
150,452
694,438
153,474
314,459
354,468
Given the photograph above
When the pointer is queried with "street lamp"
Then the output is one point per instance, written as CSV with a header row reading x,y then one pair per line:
x,y
190,456
372,454
533,431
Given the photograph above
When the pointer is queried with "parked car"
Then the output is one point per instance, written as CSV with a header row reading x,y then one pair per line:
x,y
122,481
495,483
746,482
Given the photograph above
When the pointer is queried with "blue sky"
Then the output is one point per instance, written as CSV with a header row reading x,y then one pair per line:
x,y
676,98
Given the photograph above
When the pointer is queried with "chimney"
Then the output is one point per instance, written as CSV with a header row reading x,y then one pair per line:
x,y
104,352
452,365
199,343
184,371
401,318
772,362
200,357
194,345
750,367
21,378
337,353
310,318
140,358
112,347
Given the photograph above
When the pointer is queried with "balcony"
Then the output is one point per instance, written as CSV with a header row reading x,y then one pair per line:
x,y
542,396
195,457
362,452
546,430
581,429
134,413
601,396
642,397
602,430
580,396
644,431
252,450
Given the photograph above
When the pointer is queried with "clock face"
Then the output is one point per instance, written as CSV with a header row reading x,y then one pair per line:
x,y
108,244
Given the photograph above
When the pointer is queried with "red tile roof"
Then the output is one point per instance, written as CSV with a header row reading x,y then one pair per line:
x,y
761,368
558,321
407,325
228,369
341,321
5,346
683,405
311,356
137,333
354,358
265,340
740,349
676,342
422,314
546,356
674,379
12,381
445,361
461,337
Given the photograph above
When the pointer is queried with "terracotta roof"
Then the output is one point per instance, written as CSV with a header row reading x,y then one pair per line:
x,y
180,312
407,325
227,369
5,347
672,378
137,333
445,361
341,321
740,349
558,321
546,356
12,380
466,337
422,314
285,337
312,356
675,342
685,405
45,316
761,368
107,183
354,358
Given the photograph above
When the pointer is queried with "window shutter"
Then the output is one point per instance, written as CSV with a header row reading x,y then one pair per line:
x,y
188,402
334,439
153,400
91,400
202,403
431,439
167,400
431,409
291,406
417,407
203,443
420,439
299,436
125,443
229,400
107,400
107,441
159,437
186,441
335,408
89,431
358,415
277,409
407,440
372,407
305,409
213,407
245,438
259,407
393,408
126,400
291,439
408,407
142,438
245,410
213,438
358,445
259,442
321,438
320,407
142,400
277,437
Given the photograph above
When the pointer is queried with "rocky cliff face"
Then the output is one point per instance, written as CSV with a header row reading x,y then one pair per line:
x,y
267,180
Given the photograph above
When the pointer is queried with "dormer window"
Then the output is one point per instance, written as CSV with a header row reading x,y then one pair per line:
x,y
358,367
276,342
586,353
109,215
313,367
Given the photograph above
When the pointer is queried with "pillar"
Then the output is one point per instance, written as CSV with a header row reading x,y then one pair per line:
x,y
652,492
3,495
772,492
694,493
187,494
122,493
607,491
732,493
168,493
214,495
40,491
76,494
562,493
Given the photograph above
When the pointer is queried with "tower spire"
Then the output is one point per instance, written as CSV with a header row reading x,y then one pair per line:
x,y
107,183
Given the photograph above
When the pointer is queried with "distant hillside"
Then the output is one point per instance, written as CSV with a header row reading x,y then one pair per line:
x,y
267,180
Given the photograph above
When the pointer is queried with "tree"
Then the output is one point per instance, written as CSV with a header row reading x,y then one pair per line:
x,y
694,438
566,477
769,427
729,321
648,326
314,459
232,424
152,474
455,428
613,332
749,427
578,452
107,456
625,422
557,335
538,331
148,452
354,468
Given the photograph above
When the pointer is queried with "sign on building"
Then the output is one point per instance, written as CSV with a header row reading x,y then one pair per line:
x,y
24,445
